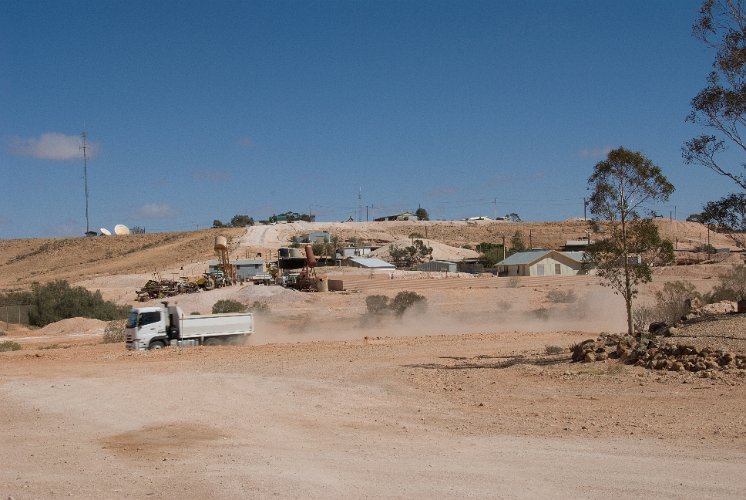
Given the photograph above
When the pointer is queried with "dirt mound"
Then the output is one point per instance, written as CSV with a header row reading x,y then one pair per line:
x,y
85,326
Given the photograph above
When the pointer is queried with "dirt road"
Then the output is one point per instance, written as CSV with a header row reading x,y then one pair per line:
x,y
479,415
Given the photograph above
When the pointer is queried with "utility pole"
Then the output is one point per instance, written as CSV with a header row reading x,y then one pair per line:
x,y
585,208
84,147
494,215
360,204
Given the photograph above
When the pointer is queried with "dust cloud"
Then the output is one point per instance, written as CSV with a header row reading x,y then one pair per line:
x,y
595,311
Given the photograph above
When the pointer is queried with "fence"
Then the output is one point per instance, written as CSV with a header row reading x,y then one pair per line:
x,y
14,313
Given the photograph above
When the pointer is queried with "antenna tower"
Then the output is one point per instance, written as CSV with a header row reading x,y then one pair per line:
x,y
84,147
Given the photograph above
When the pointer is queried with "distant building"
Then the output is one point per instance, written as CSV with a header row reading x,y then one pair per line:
x,y
316,237
473,266
402,216
343,253
368,263
542,263
438,266
245,268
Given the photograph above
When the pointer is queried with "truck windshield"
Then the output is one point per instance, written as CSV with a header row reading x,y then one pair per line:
x,y
132,319
142,319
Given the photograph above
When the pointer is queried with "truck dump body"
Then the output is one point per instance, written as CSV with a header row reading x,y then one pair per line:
x,y
211,325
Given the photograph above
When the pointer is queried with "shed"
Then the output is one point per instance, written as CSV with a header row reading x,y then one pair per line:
x,y
316,237
542,263
245,268
368,263
401,216
438,266
343,253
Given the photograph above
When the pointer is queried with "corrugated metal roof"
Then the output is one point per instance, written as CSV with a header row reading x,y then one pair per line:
x,y
576,256
528,258
372,262
524,258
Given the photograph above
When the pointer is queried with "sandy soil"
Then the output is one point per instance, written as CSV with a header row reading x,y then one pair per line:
x,y
478,415
461,402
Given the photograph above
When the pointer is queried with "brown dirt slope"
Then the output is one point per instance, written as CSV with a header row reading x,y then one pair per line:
x,y
24,261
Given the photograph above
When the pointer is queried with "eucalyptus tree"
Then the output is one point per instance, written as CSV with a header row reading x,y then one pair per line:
x,y
621,186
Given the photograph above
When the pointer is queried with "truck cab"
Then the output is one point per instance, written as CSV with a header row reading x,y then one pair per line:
x,y
147,328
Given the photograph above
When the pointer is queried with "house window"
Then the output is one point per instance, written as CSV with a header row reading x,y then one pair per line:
x,y
557,269
540,269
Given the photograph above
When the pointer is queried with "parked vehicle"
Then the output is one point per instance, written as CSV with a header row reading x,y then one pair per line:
x,y
158,327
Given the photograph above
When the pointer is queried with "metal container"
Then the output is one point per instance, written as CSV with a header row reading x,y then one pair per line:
x,y
221,243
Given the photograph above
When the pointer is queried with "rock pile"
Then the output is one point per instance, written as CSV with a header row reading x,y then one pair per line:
x,y
656,355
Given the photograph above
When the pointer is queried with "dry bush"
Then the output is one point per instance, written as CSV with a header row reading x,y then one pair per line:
x,y
671,303
554,349
259,308
228,306
642,316
9,346
115,332
561,297
541,313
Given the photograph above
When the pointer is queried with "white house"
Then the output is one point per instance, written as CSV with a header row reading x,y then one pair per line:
x,y
542,263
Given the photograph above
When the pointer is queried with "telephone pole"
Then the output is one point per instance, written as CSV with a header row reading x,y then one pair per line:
x,y
84,147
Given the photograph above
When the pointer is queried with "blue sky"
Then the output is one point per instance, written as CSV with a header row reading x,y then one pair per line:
x,y
202,110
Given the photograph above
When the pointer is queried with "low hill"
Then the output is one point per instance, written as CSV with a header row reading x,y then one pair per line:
x,y
24,261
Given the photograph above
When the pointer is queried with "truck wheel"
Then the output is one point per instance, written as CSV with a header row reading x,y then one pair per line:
x,y
157,345
212,341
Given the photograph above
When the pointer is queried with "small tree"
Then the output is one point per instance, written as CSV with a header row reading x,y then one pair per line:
x,y
516,243
490,253
422,214
399,255
242,221
728,215
217,224
620,186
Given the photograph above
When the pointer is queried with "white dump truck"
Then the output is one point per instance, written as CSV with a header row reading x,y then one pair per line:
x,y
158,327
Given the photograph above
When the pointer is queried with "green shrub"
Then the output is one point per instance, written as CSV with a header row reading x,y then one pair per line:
x,y
228,306
378,305
561,297
706,248
57,300
115,332
9,346
405,301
